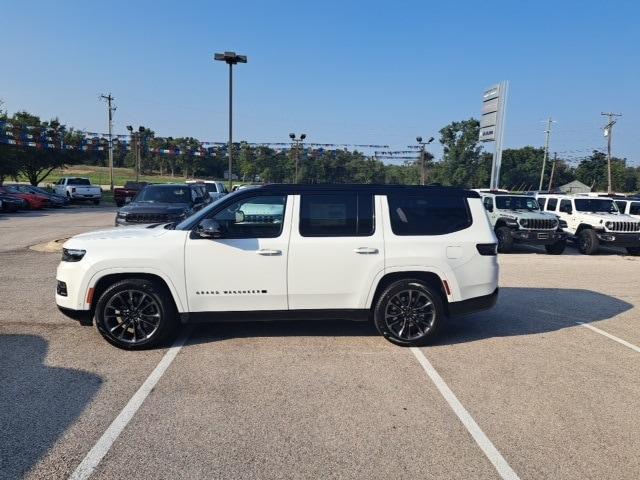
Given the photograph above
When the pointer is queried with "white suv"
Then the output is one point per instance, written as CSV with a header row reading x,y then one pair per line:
x,y
518,219
592,221
405,256
629,205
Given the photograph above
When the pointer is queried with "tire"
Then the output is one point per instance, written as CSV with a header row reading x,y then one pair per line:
x,y
96,202
413,297
136,330
635,251
588,242
556,248
505,240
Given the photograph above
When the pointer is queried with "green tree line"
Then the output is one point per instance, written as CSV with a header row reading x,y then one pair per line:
x,y
464,163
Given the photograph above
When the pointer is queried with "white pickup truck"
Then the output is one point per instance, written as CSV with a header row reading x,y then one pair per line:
x,y
78,188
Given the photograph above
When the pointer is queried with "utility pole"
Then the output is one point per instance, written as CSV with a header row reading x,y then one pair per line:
x,y
553,169
423,158
608,130
297,144
546,151
109,98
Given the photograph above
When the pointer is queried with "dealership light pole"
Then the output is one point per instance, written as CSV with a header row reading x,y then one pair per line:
x,y
231,59
423,155
608,130
136,136
297,142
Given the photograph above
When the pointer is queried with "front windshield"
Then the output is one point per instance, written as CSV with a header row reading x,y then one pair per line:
x,y
164,195
506,202
596,205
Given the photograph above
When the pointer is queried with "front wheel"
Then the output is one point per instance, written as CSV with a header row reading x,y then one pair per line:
x,y
409,313
505,240
136,313
556,248
588,241
635,251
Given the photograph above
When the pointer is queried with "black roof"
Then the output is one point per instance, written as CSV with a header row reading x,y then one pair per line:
x,y
370,188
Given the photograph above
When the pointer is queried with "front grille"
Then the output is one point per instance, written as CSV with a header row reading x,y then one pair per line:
x,y
538,224
147,218
624,226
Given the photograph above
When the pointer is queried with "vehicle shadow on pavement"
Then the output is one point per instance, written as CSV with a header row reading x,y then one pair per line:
x,y
527,311
209,332
37,402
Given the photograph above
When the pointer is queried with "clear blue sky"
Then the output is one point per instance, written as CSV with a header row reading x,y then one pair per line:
x,y
356,72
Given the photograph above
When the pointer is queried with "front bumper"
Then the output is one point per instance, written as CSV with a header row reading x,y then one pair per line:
x,y
538,237
473,305
619,239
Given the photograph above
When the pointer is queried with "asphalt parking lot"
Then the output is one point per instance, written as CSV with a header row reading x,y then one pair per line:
x,y
545,385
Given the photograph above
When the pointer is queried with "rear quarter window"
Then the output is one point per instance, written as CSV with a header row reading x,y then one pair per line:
x,y
428,215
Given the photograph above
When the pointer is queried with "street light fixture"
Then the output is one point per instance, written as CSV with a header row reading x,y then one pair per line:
x,y
297,143
231,59
423,154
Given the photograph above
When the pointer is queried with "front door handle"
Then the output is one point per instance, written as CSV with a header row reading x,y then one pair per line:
x,y
267,252
366,250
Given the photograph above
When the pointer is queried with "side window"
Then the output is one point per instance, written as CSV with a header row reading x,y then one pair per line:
x,y
488,203
634,209
552,204
428,215
622,206
336,215
565,206
194,194
255,217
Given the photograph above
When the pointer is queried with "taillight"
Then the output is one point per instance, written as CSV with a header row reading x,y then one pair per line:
x,y
487,248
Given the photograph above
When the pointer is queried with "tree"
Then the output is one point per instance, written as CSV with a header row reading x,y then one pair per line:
x,y
462,163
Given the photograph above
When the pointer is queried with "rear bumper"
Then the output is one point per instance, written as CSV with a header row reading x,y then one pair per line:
x,y
82,316
475,304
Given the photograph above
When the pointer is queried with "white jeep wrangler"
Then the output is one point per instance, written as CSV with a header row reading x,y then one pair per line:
x,y
407,257
518,219
594,221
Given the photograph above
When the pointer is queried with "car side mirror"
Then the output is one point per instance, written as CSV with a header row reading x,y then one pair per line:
x,y
209,228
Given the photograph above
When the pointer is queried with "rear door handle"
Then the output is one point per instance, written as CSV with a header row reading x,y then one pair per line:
x,y
366,250
267,252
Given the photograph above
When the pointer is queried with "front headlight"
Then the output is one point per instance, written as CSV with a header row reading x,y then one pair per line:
x,y
72,254
510,221
563,224
122,215
524,222
608,225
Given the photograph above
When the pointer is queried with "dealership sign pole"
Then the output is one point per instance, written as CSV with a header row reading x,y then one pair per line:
x,y
494,103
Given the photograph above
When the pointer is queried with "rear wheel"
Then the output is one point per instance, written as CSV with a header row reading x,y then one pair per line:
x,y
588,242
409,313
556,248
136,313
505,240
635,251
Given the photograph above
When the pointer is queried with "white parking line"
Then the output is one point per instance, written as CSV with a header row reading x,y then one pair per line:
x,y
491,452
100,449
633,347
612,337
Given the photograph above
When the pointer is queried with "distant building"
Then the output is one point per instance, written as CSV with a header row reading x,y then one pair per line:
x,y
575,187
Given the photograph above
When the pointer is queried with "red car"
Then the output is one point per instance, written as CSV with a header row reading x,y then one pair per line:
x,y
35,201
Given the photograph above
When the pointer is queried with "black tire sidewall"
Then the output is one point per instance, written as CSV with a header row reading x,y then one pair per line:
x,y
593,241
393,289
505,244
151,288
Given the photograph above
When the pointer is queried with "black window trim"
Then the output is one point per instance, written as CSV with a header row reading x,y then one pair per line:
x,y
330,193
